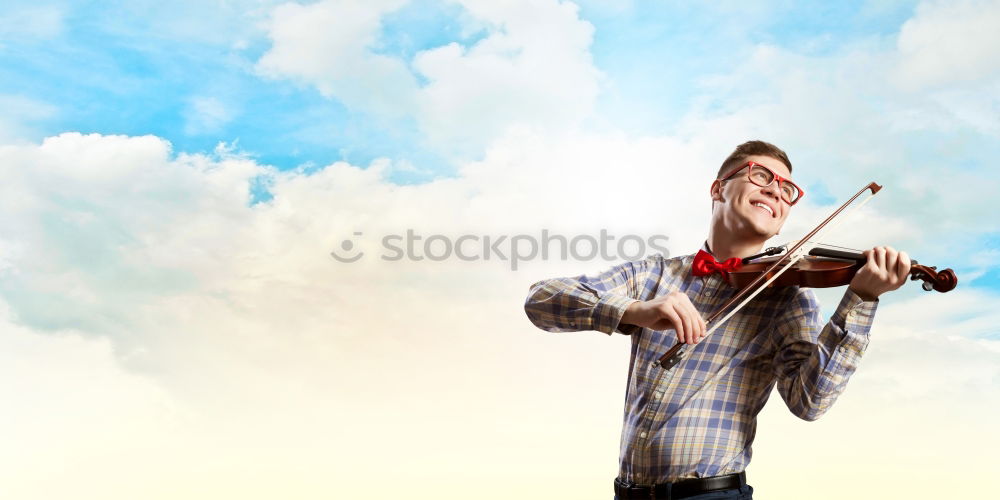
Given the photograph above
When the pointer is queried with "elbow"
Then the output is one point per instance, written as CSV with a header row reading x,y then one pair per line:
x,y
532,308
532,317
545,312
810,414
810,409
804,404
536,294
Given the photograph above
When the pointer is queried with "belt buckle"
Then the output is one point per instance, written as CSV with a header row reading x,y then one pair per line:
x,y
631,490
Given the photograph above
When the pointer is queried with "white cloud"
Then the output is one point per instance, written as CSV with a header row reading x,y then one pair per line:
x,y
262,362
925,375
947,332
122,238
844,124
288,361
328,45
533,68
950,42
80,214
206,115
72,407
947,52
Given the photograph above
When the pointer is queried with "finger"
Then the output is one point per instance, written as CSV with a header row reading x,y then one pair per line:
x,y
880,257
891,261
699,322
687,312
702,327
689,333
675,322
870,260
890,258
873,261
904,265
693,318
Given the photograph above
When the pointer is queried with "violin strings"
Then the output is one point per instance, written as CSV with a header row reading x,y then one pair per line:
x,y
838,246
827,245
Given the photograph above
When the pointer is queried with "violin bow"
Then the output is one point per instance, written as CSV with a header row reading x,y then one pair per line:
x,y
801,248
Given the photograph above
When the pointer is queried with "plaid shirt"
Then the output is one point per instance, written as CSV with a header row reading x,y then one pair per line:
x,y
675,425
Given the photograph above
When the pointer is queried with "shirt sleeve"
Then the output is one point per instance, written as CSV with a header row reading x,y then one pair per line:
x,y
813,365
592,302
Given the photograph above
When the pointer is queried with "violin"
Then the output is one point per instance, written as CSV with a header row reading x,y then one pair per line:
x,y
808,266
828,267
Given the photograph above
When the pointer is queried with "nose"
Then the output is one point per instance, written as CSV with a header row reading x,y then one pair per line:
x,y
772,190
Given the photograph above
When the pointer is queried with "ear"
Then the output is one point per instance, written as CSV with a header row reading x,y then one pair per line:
x,y
716,190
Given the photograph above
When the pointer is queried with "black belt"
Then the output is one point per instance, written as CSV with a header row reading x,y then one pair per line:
x,y
679,489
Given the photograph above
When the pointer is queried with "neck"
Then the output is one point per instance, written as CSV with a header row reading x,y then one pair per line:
x,y
724,244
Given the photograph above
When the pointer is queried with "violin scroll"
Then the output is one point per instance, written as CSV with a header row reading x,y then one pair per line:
x,y
941,281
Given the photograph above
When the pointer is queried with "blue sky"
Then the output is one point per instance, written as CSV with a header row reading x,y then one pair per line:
x,y
102,72
107,68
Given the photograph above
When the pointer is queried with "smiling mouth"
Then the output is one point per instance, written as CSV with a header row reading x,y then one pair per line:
x,y
765,208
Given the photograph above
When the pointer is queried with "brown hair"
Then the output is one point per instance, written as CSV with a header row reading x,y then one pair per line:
x,y
753,148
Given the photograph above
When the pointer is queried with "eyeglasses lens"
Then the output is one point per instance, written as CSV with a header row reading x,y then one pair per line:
x,y
764,177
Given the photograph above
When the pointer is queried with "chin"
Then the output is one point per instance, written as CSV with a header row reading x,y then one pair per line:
x,y
753,232
761,232
755,228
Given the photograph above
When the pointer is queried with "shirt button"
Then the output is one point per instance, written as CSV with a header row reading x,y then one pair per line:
x,y
708,293
659,394
642,435
572,324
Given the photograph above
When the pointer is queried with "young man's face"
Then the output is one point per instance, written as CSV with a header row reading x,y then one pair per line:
x,y
748,209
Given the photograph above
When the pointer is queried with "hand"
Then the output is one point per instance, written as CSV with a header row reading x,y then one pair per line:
x,y
673,310
885,271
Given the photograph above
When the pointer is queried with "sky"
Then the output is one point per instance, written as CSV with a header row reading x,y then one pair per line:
x,y
230,258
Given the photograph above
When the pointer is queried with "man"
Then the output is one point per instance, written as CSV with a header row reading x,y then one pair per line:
x,y
688,430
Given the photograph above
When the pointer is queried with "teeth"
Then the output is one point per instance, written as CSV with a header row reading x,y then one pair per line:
x,y
765,207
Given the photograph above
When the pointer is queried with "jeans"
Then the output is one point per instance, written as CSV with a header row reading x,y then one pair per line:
x,y
742,493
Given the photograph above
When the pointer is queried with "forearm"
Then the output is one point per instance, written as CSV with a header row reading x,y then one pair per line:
x,y
561,304
595,302
813,374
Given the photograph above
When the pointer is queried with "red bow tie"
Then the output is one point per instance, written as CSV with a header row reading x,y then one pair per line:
x,y
704,264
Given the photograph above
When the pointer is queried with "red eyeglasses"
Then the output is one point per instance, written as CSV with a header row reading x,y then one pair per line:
x,y
762,176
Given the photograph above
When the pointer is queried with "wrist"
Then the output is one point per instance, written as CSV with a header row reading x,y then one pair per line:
x,y
864,295
630,313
